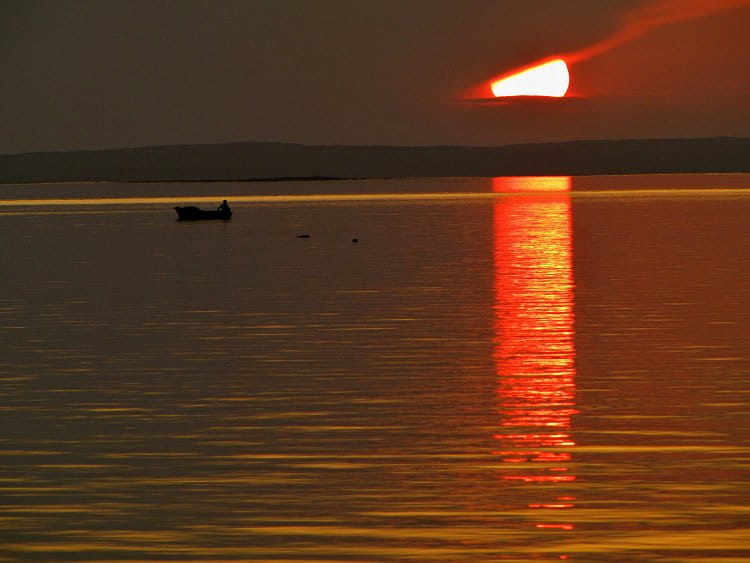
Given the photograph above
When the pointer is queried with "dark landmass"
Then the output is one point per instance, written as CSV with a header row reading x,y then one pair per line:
x,y
294,178
286,162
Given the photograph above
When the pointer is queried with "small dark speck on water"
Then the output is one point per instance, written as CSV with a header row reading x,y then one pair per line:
x,y
304,235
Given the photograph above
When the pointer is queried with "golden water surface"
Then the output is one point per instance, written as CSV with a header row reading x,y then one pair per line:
x,y
509,372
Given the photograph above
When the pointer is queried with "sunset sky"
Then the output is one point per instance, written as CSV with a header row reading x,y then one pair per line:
x,y
106,73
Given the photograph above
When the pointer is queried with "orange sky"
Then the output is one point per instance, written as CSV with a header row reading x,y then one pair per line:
x,y
113,73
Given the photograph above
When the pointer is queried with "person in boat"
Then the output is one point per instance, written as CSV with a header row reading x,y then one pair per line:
x,y
224,207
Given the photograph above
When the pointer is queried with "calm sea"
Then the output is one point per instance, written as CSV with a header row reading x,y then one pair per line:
x,y
498,370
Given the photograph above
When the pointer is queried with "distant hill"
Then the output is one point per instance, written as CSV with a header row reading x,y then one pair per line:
x,y
248,161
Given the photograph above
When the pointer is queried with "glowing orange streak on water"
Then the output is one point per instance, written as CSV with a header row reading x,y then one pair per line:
x,y
534,330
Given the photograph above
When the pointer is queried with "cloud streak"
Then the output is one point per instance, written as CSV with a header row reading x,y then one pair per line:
x,y
657,14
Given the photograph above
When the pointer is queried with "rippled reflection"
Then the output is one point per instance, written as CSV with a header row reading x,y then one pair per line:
x,y
534,328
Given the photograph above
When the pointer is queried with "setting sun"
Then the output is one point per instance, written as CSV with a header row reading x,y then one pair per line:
x,y
547,79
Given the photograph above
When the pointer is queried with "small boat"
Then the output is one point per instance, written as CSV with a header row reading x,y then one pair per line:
x,y
192,213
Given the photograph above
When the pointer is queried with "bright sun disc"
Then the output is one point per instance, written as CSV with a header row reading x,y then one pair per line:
x,y
548,79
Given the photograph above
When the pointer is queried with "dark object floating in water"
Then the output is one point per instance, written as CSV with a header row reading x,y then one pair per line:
x,y
355,240
192,213
305,235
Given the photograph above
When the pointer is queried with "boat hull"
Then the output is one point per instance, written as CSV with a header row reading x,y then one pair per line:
x,y
192,213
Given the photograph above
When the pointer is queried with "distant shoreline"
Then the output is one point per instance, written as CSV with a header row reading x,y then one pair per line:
x,y
609,179
269,179
286,162
341,178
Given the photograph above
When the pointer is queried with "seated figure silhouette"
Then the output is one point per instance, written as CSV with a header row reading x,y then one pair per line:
x,y
224,207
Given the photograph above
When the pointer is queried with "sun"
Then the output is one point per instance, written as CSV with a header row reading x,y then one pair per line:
x,y
547,79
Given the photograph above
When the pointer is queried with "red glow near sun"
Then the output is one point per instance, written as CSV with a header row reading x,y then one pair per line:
x,y
549,79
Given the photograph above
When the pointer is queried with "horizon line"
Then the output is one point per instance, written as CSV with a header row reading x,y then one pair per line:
x,y
385,146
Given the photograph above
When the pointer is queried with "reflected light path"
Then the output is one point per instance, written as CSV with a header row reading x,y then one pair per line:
x,y
534,352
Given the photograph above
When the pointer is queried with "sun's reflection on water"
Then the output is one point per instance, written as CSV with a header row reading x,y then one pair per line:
x,y
534,352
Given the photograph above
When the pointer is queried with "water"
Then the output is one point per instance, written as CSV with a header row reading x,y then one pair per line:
x,y
513,378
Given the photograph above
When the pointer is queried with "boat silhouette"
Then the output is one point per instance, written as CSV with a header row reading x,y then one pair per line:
x,y
193,213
